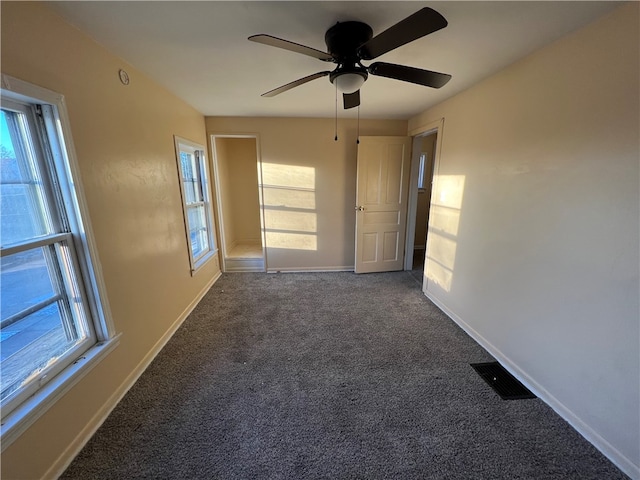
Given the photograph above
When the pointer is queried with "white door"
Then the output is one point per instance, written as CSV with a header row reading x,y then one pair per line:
x,y
381,203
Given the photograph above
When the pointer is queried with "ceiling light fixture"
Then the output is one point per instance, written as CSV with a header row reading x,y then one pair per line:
x,y
349,82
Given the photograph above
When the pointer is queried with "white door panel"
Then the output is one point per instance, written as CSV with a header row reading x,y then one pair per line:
x,y
381,203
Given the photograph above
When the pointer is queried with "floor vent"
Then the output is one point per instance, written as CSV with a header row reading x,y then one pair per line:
x,y
505,384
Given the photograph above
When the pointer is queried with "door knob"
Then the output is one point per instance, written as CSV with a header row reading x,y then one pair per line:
x,y
359,208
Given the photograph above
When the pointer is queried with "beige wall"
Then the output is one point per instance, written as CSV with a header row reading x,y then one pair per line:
x,y
310,199
123,138
227,227
238,179
536,245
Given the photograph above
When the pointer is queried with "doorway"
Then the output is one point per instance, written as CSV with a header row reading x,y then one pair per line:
x,y
236,166
425,150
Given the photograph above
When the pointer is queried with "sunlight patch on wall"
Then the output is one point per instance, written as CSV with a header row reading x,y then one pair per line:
x,y
289,197
448,191
444,219
292,176
295,241
288,220
444,222
289,202
441,258
443,249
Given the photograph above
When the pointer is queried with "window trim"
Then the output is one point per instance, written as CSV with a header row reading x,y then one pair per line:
x,y
63,155
196,262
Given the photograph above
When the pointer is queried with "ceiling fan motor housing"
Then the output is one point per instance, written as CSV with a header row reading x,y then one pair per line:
x,y
344,39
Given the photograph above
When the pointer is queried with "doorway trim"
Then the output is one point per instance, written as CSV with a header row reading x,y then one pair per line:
x,y
218,193
437,127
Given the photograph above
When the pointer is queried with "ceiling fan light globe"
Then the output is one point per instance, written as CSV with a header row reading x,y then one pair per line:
x,y
349,82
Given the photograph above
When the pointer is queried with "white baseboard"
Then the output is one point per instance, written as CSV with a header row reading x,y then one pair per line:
x,y
608,450
65,459
236,269
244,265
310,269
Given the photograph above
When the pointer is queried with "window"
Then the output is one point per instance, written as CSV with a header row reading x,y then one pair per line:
x,y
196,203
52,312
421,172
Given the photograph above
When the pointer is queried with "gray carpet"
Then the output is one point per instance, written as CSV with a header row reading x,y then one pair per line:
x,y
332,376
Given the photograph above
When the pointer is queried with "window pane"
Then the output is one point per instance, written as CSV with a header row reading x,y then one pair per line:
x,y
24,282
22,205
190,178
423,159
198,230
30,345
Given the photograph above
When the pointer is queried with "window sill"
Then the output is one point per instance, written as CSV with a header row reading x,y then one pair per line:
x,y
203,260
18,421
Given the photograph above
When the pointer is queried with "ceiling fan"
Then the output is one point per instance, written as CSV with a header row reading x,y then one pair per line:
x,y
348,43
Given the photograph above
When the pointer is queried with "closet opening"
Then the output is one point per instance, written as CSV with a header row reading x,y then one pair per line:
x,y
236,167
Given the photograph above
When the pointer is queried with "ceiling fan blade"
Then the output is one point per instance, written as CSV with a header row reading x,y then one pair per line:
x,y
351,100
289,86
409,74
421,23
291,46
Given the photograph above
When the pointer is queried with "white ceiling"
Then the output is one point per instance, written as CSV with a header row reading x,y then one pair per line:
x,y
200,52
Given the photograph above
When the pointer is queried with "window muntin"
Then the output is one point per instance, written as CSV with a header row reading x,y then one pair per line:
x,y
194,185
45,317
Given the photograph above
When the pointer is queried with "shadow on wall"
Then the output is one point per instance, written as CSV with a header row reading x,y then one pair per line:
x,y
289,196
444,221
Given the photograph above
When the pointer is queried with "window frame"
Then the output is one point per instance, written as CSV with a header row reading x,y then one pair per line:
x,y
53,138
198,150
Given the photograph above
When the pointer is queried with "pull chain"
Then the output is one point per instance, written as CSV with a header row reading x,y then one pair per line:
x,y
336,124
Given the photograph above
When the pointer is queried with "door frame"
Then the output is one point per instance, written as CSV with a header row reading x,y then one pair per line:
x,y
437,127
218,195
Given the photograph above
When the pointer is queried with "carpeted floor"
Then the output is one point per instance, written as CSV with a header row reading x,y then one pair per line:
x,y
327,376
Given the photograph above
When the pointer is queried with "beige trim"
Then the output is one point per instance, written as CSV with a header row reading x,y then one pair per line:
x,y
427,127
